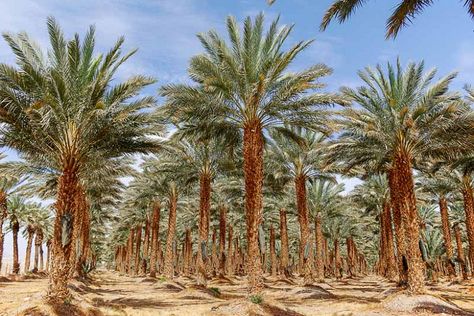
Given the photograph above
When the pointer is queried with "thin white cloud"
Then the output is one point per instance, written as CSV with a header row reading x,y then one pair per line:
x,y
164,31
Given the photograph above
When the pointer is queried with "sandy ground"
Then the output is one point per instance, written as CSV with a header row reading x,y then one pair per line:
x,y
112,294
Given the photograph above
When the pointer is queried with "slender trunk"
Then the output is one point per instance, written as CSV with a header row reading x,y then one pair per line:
x,y
351,257
230,263
391,270
175,257
469,210
3,215
130,255
124,259
284,252
327,258
64,230
273,256
253,175
137,250
382,267
214,257
204,207
77,232
448,245
337,260
319,248
16,263
82,234
395,200
155,227
171,235
48,255
38,250
461,258
303,218
222,231
146,247
411,224
189,250
29,245
41,264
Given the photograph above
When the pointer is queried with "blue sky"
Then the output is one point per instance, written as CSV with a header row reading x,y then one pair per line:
x,y
164,31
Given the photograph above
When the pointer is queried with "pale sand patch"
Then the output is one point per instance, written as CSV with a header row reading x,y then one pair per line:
x,y
113,294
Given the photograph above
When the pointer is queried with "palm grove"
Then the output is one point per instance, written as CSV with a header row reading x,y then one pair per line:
x,y
238,169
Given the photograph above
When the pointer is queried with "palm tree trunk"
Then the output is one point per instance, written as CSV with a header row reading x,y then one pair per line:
x,y
123,259
461,258
130,257
3,215
186,260
16,263
230,262
146,247
214,257
337,260
38,243
395,200
64,226
80,232
85,223
303,218
327,259
389,250
222,231
29,244
175,257
448,245
204,207
137,251
284,252
469,211
319,248
350,257
48,255
410,222
382,267
155,227
41,264
273,256
253,176
171,235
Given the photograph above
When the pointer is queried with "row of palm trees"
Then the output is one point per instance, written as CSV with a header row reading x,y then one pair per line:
x,y
34,223
350,221
146,211
245,120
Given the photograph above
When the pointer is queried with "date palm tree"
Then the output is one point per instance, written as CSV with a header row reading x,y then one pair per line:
x,y
324,201
443,184
196,161
373,195
299,156
403,14
402,118
63,112
244,84
147,191
9,183
16,215
43,226
172,190
32,216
